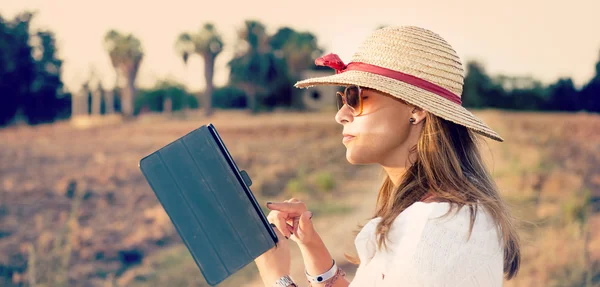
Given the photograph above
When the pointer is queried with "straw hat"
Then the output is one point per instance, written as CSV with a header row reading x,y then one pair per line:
x,y
410,63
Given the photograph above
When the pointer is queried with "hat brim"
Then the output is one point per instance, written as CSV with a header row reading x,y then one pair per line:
x,y
426,100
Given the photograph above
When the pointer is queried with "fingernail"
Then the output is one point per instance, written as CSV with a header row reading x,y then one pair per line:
x,y
311,214
268,202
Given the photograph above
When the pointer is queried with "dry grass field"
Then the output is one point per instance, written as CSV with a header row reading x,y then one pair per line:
x,y
76,210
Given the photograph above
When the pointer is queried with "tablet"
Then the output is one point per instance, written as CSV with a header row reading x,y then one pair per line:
x,y
209,201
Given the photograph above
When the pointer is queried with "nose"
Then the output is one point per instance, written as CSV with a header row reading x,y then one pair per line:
x,y
344,115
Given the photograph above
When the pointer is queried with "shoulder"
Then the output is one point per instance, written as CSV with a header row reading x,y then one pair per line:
x,y
430,244
444,224
447,216
432,239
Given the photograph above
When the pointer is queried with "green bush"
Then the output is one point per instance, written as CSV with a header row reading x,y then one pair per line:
x,y
296,186
229,97
152,99
325,181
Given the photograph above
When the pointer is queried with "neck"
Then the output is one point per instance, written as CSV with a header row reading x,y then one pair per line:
x,y
396,165
395,173
400,159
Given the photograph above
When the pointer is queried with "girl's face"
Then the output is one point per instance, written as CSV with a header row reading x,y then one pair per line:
x,y
382,130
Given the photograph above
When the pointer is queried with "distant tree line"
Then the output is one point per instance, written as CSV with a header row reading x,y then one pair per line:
x,y
262,73
525,93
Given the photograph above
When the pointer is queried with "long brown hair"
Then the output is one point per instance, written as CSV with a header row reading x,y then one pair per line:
x,y
448,166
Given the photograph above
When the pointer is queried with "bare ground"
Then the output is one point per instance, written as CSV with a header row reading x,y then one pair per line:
x,y
121,231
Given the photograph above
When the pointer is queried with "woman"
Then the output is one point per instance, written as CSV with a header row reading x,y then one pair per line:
x,y
439,219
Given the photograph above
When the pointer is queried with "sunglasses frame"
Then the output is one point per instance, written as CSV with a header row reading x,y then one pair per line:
x,y
344,98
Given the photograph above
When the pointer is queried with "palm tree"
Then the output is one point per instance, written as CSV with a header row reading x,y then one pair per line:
x,y
298,50
184,46
126,54
208,44
254,64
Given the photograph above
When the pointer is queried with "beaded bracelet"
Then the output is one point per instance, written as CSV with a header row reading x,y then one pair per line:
x,y
331,281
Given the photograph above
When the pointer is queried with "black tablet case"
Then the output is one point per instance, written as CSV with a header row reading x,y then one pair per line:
x,y
209,202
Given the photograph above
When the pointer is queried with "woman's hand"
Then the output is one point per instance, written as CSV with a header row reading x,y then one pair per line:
x,y
276,262
293,220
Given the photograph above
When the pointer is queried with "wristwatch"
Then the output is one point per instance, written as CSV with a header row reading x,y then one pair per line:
x,y
285,281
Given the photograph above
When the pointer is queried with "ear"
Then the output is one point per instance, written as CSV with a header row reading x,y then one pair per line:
x,y
418,114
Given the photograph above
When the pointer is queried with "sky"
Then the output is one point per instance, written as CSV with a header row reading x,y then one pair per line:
x,y
545,39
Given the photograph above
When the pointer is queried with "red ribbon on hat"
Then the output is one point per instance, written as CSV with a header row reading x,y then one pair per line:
x,y
334,61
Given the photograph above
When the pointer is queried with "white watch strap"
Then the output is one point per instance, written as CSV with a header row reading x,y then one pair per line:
x,y
325,276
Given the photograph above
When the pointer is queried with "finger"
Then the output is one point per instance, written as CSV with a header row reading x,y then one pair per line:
x,y
295,222
293,208
275,229
305,226
273,218
277,233
292,223
280,222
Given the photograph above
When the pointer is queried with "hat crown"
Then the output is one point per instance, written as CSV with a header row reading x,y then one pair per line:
x,y
415,51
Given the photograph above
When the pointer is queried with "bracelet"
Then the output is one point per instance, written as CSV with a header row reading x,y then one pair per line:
x,y
323,277
333,279
285,281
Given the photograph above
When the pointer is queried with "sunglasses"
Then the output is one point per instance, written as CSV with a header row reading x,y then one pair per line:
x,y
352,97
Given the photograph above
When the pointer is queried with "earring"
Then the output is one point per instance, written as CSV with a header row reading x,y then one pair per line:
x,y
411,120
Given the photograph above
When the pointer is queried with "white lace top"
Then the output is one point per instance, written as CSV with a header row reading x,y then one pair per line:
x,y
425,251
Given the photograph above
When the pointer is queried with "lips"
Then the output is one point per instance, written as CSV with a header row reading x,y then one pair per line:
x,y
347,137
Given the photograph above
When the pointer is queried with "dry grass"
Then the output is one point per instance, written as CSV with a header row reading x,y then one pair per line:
x,y
546,167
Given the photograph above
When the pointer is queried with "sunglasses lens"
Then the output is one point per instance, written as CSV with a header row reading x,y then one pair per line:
x,y
353,97
339,100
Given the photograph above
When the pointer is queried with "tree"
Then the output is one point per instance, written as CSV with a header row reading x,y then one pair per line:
x,y
590,94
16,65
47,84
126,54
299,51
562,96
517,92
208,44
30,73
254,66
164,91
476,85
266,66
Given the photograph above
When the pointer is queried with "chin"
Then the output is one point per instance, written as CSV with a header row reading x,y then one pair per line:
x,y
350,160
356,158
